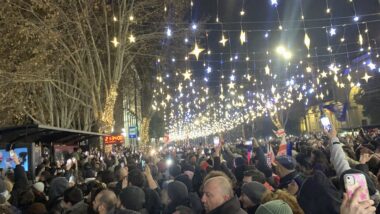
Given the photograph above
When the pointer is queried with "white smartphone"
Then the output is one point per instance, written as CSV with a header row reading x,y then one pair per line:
x,y
11,153
216,141
326,123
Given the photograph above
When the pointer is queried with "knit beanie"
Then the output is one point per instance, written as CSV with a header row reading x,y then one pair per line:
x,y
39,186
57,187
286,161
254,191
274,207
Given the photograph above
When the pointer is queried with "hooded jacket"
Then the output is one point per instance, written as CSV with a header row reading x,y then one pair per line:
x,y
318,195
57,187
231,206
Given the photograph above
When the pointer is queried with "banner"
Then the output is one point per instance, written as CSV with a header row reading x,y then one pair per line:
x,y
339,110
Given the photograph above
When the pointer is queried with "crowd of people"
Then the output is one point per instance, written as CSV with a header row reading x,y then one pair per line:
x,y
293,175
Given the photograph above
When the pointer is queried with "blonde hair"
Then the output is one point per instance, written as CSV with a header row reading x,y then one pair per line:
x,y
286,197
223,180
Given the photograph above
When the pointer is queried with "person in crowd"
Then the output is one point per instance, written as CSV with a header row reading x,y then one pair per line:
x,y
315,194
39,192
218,195
106,202
152,199
251,194
57,187
92,195
132,198
122,178
73,201
21,187
256,175
178,196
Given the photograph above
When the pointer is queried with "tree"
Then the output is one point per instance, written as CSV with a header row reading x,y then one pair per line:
x,y
66,58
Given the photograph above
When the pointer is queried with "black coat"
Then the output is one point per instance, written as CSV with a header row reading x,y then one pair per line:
x,y
318,195
231,206
152,201
21,185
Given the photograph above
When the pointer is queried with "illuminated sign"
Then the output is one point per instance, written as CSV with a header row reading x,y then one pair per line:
x,y
114,139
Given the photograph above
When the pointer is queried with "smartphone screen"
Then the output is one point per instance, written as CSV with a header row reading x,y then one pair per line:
x,y
352,182
326,123
143,165
216,141
248,142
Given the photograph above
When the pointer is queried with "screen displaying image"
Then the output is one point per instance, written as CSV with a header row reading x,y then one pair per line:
x,y
6,161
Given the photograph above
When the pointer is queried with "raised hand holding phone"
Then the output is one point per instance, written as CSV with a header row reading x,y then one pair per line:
x,y
14,157
326,123
331,133
353,205
352,182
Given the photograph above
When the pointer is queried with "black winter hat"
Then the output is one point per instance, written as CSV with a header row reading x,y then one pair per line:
x,y
254,191
132,198
177,191
185,180
175,170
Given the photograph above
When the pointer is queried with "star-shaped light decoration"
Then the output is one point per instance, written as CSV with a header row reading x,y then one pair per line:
x,y
221,97
299,98
115,42
322,96
196,51
307,41
323,74
231,85
243,38
248,77
267,70
180,87
366,77
132,39
187,75
349,77
168,97
223,41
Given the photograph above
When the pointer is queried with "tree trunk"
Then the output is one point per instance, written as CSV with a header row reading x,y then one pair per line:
x,y
144,134
107,118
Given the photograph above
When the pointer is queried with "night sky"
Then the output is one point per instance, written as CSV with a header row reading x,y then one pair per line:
x,y
261,18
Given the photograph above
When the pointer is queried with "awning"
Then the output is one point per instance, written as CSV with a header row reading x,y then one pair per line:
x,y
44,134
